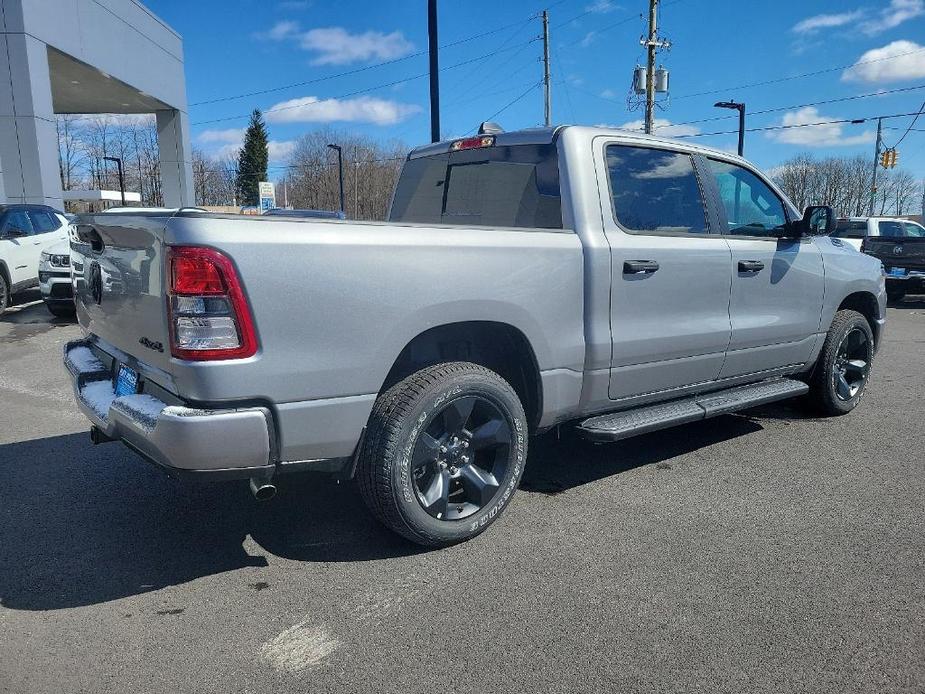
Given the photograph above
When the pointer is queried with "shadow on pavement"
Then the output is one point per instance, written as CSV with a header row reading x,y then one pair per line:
x,y
28,317
85,524
910,301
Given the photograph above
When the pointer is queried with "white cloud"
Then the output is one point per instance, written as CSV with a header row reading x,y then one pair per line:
x,y
588,39
811,25
869,22
895,62
601,6
280,149
827,135
363,109
660,126
608,94
230,135
284,29
897,12
337,46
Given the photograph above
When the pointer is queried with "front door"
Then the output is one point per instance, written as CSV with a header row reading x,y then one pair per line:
x,y
777,283
670,272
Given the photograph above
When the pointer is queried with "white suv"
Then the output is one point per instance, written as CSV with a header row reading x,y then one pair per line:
x,y
25,231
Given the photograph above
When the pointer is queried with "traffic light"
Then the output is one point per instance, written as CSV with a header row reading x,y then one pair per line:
x,y
888,158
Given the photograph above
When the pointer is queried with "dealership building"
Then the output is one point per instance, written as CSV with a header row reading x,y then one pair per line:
x,y
86,57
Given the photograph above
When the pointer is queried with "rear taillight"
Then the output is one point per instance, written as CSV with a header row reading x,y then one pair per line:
x,y
209,316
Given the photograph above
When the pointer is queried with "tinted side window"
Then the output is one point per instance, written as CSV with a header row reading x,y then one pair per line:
x,y
514,186
914,230
42,221
655,190
752,208
891,229
17,220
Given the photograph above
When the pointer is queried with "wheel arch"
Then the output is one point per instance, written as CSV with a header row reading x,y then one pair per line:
x,y
498,346
867,305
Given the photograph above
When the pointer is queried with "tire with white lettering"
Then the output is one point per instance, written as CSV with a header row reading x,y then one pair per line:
x,y
444,452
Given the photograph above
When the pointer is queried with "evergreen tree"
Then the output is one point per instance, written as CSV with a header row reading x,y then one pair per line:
x,y
252,161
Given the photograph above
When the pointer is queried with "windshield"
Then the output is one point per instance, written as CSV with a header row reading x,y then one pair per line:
x,y
515,186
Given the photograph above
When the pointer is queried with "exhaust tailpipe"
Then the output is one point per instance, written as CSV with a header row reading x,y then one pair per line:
x,y
262,489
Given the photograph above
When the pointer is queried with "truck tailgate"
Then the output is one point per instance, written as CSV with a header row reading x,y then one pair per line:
x,y
118,265
905,252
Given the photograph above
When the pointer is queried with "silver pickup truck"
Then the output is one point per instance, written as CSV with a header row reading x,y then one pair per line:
x,y
574,276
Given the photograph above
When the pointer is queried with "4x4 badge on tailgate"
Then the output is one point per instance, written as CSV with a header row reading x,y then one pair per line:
x,y
96,282
151,344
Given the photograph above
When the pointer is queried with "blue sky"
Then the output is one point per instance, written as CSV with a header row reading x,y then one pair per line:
x,y
236,47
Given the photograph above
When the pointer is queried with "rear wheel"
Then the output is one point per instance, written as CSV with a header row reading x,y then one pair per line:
x,y
843,367
443,453
4,294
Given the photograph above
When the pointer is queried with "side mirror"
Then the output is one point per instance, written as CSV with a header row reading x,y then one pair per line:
x,y
818,220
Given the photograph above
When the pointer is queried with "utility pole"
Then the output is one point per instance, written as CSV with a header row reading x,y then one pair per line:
x,y
434,70
356,178
547,104
651,44
873,184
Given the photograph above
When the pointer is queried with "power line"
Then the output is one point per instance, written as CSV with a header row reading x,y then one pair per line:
x,y
509,104
796,77
811,103
367,89
800,125
898,142
366,68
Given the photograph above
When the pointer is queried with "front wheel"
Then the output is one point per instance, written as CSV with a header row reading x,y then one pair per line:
x,y
443,453
843,367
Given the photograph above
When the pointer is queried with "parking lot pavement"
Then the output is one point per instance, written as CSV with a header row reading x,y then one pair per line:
x,y
768,551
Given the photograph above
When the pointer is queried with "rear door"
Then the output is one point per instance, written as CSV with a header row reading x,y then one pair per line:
x,y
777,283
16,248
670,271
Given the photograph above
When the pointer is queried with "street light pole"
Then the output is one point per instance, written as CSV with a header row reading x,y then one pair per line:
x,y
121,177
340,168
740,107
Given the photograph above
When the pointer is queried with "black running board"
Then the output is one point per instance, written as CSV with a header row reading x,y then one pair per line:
x,y
621,425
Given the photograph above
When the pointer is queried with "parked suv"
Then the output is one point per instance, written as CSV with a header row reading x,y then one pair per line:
x,y
25,231
589,278
55,279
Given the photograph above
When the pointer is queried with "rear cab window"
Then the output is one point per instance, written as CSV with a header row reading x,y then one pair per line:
x,y
499,186
891,229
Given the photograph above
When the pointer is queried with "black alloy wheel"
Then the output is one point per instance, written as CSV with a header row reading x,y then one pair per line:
x,y
459,458
852,364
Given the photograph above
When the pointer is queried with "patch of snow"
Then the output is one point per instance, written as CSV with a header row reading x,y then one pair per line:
x,y
84,360
98,395
141,408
